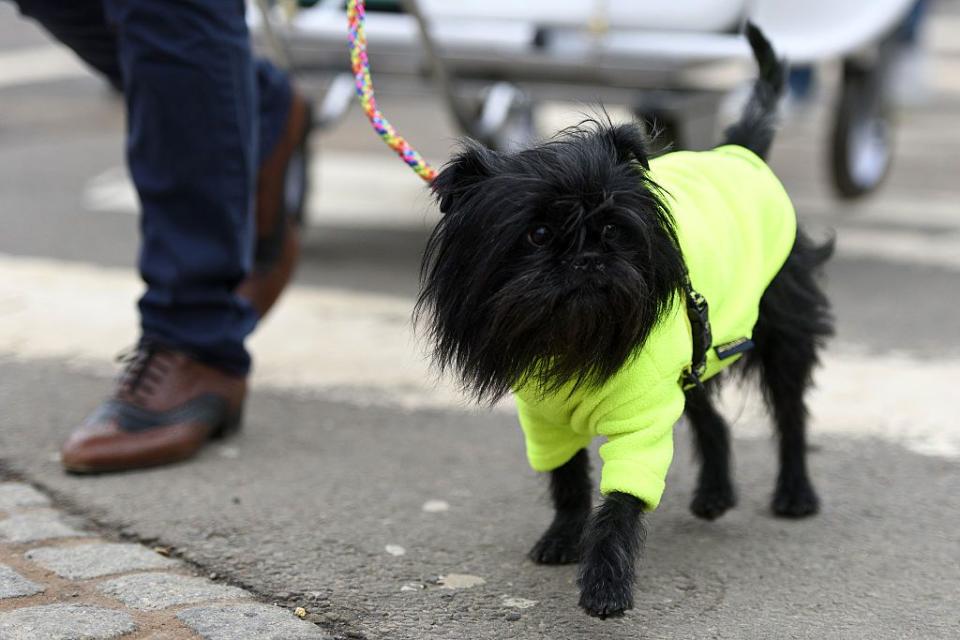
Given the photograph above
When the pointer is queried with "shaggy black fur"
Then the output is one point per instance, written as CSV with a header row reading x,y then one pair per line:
x,y
757,124
611,547
714,493
503,310
550,268
571,492
795,321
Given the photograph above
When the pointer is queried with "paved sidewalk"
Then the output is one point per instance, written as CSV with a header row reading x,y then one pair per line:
x,y
60,582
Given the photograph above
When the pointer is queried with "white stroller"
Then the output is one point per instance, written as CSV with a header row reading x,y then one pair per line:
x,y
673,61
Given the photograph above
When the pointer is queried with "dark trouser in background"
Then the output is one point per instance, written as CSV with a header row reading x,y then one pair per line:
x,y
202,115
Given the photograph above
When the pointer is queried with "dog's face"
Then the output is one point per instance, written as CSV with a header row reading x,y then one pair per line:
x,y
550,266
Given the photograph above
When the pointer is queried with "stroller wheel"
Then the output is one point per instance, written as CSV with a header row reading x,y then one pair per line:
x,y
518,132
862,141
504,118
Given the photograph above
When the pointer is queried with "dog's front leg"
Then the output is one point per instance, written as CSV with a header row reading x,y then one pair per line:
x,y
611,546
570,491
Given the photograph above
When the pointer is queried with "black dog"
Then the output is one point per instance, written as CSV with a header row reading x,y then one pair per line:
x,y
556,270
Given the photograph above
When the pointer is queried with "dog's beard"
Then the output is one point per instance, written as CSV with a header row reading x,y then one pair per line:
x,y
545,329
549,332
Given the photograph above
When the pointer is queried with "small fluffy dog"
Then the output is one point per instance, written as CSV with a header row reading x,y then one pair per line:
x,y
606,290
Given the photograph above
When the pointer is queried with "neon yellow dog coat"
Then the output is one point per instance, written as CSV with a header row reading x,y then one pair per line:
x,y
736,226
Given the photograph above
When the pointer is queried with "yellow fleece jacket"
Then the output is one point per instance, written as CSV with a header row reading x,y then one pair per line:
x,y
736,226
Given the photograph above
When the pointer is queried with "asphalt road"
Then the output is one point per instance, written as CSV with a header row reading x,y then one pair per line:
x,y
358,482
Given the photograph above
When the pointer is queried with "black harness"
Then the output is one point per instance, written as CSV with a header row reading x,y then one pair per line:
x,y
698,312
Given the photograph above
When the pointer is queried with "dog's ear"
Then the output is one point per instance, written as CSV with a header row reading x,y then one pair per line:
x,y
474,163
630,143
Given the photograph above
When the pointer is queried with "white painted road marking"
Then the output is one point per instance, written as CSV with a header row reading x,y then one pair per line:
x,y
908,247
38,64
335,197
359,347
337,202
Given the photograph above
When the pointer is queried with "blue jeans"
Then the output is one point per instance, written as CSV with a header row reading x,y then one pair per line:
x,y
201,114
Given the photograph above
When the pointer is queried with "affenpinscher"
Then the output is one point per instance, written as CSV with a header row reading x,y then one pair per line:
x,y
578,274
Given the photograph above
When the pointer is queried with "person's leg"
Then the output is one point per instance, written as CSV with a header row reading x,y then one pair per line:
x,y
196,153
192,151
274,95
282,184
82,26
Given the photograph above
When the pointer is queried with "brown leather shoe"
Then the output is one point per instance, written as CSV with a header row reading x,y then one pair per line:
x,y
165,407
282,185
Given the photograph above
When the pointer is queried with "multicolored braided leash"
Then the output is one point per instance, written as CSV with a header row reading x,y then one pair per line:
x,y
357,37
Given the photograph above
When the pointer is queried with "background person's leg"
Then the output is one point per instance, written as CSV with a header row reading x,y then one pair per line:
x,y
192,151
274,95
282,186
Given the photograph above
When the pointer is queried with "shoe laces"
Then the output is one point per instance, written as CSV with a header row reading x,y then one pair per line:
x,y
142,370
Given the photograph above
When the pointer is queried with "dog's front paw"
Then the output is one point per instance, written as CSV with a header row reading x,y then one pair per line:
x,y
795,500
611,545
603,597
710,503
557,546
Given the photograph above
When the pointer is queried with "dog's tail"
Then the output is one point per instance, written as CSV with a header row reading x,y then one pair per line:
x,y
757,124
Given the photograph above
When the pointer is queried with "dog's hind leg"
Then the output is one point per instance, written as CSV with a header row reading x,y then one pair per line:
x,y
793,324
570,491
714,493
785,372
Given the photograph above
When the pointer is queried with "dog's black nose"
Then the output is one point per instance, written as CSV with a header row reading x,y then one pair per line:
x,y
586,261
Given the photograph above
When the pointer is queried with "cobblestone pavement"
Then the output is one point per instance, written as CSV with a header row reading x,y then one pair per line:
x,y
60,582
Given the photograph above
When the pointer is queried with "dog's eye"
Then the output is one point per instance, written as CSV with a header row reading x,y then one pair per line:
x,y
609,232
540,235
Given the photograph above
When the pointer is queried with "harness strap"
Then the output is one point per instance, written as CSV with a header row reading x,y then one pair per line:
x,y
698,313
